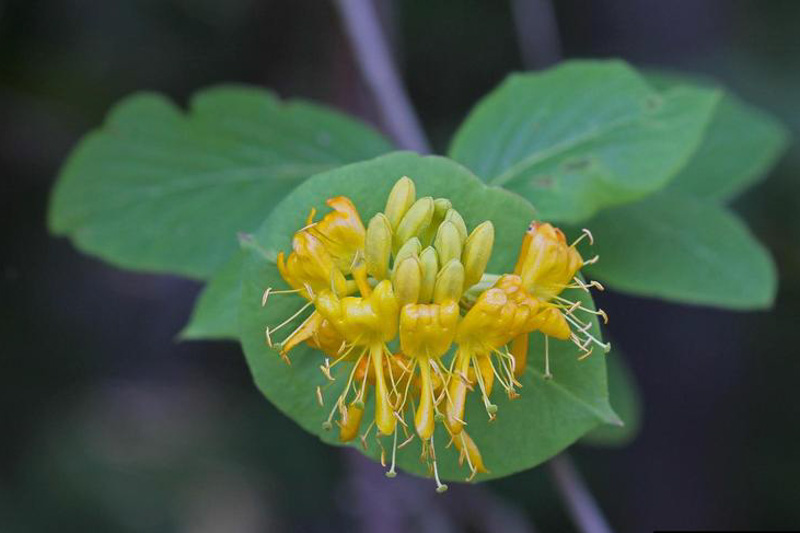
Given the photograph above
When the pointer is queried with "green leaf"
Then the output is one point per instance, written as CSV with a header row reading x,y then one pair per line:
x,y
582,136
683,249
548,416
216,311
161,190
741,145
625,399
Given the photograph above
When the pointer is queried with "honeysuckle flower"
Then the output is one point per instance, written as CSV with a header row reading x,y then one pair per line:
x,y
500,314
415,279
342,232
369,323
547,265
322,254
426,333
310,268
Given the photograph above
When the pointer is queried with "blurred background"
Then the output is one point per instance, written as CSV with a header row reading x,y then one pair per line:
x,y
110,424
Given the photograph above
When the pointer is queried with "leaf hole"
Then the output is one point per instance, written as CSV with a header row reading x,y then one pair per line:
x,y
653,102
577,164
544,181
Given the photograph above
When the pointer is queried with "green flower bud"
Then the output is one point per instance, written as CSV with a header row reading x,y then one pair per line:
x,y
415,221
412,247
455,217
429,260
448,242
407,280
378,246
449,282
477,251
400,200
440,208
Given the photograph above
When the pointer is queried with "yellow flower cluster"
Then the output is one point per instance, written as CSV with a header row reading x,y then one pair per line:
x,y
417,274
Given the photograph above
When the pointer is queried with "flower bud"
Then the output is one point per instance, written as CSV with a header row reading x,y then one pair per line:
x,y
407,280
378,247
455,217
477,251
429,261
448,242
440,208
400,200
415,221
449,282
412,247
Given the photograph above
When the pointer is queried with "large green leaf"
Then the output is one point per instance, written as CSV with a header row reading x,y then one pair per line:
x,y
740,147
582,136
161,190
625,400
549,416
683,249
216,310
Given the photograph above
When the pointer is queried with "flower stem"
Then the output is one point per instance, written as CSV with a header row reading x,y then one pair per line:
x,y
379,71
582,508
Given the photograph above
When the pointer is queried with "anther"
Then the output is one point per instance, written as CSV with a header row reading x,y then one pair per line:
x,y
319,396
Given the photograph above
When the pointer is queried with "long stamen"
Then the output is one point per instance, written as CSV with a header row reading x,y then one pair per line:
x,y
391,473
363,437
547,373
440,487
585,234
605,346
577,305
491,409
465,453
269,292
288,320
362,391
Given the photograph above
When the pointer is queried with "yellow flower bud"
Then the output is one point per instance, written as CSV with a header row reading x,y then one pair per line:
x,y
429,260
449,282
411,248
448,242
400,200
407,280
455,217
379,246
415,221
477,251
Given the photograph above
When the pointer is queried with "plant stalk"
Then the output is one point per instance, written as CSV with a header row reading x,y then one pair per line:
x,y
582,508
380,73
